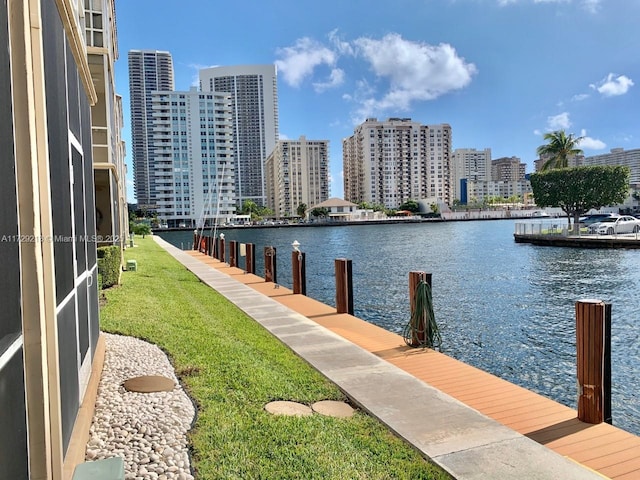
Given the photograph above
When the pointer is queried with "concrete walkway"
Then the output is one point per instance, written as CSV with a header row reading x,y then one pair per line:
x,y
456,437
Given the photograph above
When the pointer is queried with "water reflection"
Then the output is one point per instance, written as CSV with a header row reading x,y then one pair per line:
x,y
504,307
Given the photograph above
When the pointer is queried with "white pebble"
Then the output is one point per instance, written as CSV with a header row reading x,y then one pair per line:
x,y
147,429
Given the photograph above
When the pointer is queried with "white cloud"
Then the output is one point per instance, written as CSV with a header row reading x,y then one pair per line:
x,y
613,85
415,71
405,71
299,61
592,6
558,122
336,78
342,47
589,143
580,97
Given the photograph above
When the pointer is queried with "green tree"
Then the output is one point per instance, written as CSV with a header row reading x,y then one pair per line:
x,y
320,212
559,148
577,190
410,205
301,210
142,229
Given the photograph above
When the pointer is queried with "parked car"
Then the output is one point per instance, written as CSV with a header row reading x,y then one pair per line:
x,y
620,224
596,218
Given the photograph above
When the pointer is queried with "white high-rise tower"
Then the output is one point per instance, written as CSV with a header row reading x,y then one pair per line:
x,y
254,101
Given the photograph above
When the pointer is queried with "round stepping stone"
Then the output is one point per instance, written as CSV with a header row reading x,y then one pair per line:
x,y
149,384
332,408
282,407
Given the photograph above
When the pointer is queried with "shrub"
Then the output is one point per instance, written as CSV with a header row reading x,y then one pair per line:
x,y
109,265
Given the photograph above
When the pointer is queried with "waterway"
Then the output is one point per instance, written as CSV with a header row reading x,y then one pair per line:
x,y
506,308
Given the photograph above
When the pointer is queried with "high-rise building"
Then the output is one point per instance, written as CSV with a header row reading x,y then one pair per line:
x,y
149,71
622,157
193,168
254,101
507,169
469,165
396,160
297,173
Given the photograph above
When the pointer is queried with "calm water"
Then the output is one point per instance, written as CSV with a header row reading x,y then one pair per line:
x,y
503,307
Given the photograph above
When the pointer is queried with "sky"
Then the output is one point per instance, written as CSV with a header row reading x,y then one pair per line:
x,y
502,73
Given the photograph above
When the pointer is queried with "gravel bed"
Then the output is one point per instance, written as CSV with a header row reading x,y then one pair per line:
x,y
148,430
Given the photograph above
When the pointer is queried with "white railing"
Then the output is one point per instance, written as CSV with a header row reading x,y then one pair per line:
x,y
559,228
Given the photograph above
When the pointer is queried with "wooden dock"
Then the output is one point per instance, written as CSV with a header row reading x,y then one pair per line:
x,y
608,450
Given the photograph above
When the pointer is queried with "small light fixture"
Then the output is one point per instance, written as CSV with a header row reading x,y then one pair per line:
x,y
222,236
296,246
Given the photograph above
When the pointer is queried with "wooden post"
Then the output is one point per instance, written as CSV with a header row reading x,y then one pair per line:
x,y
233,253
270,273
593,344
250,259
221,250
299,273
344,286
203,244
195,241
418,333
212,246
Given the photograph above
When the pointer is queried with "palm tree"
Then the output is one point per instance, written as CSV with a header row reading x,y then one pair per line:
x,y
559,149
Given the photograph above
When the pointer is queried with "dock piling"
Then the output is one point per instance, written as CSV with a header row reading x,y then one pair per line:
x,y
593,344
270,273
298,269
250,258
418,333
233,253
344,286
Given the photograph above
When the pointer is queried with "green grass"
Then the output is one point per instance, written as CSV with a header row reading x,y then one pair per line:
x,y
232,367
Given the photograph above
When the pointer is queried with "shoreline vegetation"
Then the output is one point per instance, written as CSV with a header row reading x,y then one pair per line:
x,y
231,367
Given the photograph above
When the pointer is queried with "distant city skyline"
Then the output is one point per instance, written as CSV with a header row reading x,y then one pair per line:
x,y
500,72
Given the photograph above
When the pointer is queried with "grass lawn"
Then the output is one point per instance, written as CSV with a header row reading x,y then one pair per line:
x,y
232,367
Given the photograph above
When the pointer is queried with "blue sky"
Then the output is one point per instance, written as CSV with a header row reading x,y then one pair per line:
x,y
500,72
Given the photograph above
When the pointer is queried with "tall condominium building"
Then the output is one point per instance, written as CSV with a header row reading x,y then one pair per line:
x,y
254,103
572,161
297,172
193,168
619,156
506,180
507,169
468,165
393,161
149,71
